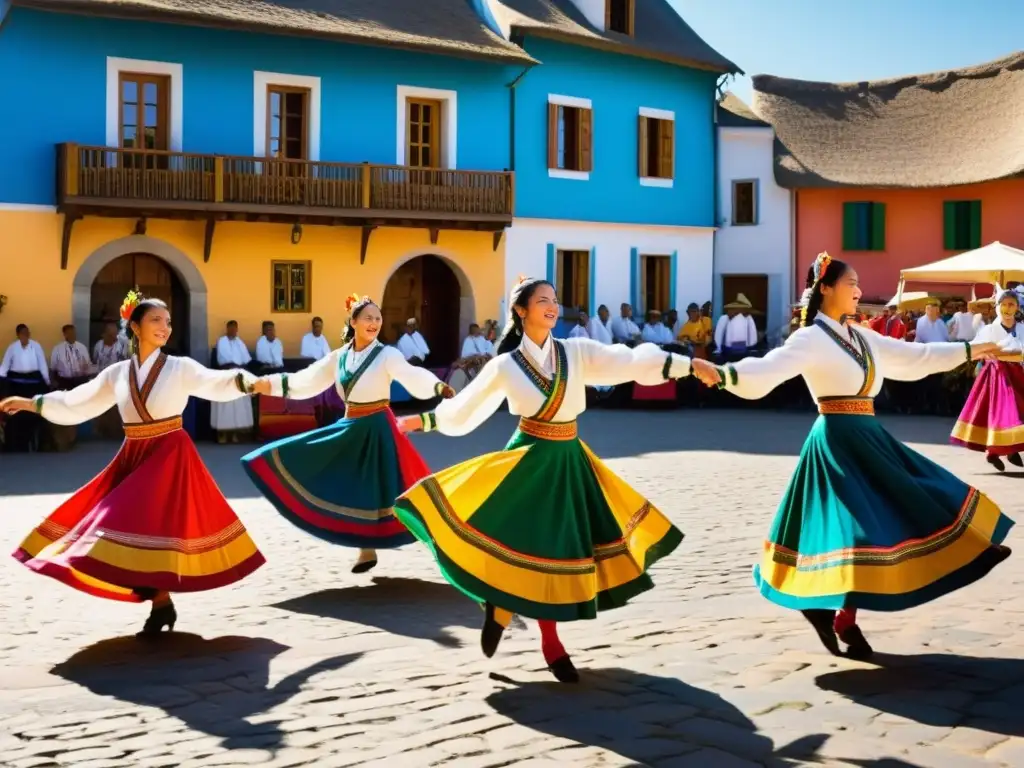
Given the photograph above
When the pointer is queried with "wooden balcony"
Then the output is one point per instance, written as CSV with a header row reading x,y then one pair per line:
x,y
125,183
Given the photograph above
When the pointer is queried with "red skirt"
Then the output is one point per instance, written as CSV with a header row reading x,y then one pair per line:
x,y
153,519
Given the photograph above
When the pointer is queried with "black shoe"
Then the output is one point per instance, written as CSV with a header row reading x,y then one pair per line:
x,y
1015,459
363,567
159,617
858,647
996,462
823,622
564,670
491,632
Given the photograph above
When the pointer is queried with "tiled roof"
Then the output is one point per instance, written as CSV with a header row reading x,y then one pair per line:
x,y
942,129
450,27
658,31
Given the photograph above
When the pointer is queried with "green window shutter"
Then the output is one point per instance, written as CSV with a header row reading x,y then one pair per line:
x,y
975,233
877,226
949,226
849,226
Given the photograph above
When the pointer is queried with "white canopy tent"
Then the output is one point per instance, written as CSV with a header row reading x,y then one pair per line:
x,y
992,263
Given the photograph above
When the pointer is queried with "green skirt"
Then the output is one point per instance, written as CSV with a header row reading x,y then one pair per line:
x,y
542,529
868,523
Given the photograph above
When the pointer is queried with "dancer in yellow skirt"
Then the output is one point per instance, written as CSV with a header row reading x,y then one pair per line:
x,y
543,528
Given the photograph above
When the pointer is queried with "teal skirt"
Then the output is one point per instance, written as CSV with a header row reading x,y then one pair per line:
x,y
868,523
339,483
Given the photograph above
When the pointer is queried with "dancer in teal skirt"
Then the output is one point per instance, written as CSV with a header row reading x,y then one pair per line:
x,y
865,522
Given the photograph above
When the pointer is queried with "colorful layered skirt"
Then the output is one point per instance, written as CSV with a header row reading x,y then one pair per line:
x,y
991,420
339,483
542,529
154,519
868,523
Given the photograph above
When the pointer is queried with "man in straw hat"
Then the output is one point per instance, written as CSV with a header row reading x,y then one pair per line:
x,y
736,333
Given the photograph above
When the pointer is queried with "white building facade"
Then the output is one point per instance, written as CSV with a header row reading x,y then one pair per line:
x,y
754,244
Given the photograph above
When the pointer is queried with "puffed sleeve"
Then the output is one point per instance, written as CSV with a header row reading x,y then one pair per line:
x,y
472,406
309,382
85,402
606,365
217,386
754,377
419,382
911,362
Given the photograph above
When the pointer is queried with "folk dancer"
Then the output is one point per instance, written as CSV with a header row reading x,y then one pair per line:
x,y
543,528
111,348
25,374
153,522
992,419
736,332
314,344
866,523
233,419
339,482
412,345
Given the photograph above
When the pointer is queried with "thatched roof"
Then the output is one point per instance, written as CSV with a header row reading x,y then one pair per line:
x,y
942,129
734,113
658,31
450,27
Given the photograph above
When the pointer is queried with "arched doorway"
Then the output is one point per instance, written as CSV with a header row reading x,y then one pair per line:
x,y
155,279
427,288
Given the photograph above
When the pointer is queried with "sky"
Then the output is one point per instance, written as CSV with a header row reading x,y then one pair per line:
x,y
843,41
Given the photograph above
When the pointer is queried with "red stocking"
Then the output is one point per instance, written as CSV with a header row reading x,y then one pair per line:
x,y
550,645
845,619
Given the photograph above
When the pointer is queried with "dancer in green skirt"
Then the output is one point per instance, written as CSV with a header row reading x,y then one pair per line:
x,y
865,522
543,528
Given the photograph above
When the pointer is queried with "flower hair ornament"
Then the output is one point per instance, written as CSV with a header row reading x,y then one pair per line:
x,y
354,299
820,265
131,301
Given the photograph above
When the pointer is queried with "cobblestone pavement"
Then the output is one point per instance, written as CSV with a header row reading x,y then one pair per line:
x,y
306,664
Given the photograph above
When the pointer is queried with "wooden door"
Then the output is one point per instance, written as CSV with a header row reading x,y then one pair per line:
x,y
755,288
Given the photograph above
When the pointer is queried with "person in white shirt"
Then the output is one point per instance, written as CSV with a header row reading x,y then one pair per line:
x,y
269,351
234,417
961,327
111,348
412,345
69,361
624,330
476,345
736,332
597,328
655,331
314,343
579,331
25,374
930,330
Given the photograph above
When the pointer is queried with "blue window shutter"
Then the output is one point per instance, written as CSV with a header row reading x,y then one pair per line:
x,y
634,277
592,303
672,281
550,275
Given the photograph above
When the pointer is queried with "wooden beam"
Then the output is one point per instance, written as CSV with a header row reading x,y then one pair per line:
x,y
365,242
65,240
211,225
497,239
434,232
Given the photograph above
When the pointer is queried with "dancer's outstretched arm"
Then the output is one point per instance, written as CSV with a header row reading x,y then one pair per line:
x,y
221,386
911,362
73,406
467,410
607,365
754,377
421,383
309,382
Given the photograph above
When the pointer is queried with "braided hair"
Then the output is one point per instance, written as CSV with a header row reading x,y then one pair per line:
x,y
824,271
519,297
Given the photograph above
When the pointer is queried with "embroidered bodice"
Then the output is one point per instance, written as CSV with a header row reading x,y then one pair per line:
x,y
549,383
157,389
359,377
839,361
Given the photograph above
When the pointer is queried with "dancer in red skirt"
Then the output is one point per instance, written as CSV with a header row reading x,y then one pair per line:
x,y
992,420
153,522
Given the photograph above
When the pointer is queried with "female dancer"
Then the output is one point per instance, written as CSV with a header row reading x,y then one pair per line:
x,y
153,522
340,482
991,420
865,522
542,529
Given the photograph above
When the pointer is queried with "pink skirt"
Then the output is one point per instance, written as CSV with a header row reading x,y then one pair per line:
x,y
991,420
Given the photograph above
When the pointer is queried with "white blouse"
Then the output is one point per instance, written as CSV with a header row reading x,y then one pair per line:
x,y
373,384
995,332
589,363
831,371
180,378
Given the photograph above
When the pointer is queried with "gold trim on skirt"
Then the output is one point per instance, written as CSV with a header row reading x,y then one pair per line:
x,y
547,430
149,429
847,406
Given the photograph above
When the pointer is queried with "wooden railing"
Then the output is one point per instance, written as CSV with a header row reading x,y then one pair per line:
x,y
105,173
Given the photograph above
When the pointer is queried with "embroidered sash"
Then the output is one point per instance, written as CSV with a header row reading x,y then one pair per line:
x,y
554,388
348,380
141,396
861,353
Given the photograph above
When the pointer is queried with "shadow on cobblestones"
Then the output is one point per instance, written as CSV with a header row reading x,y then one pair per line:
x,y
407,607
211,686
648,719
943,690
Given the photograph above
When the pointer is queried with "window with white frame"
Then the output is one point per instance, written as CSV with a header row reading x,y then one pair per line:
x,y
656,145
426,128
144,105
570,137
